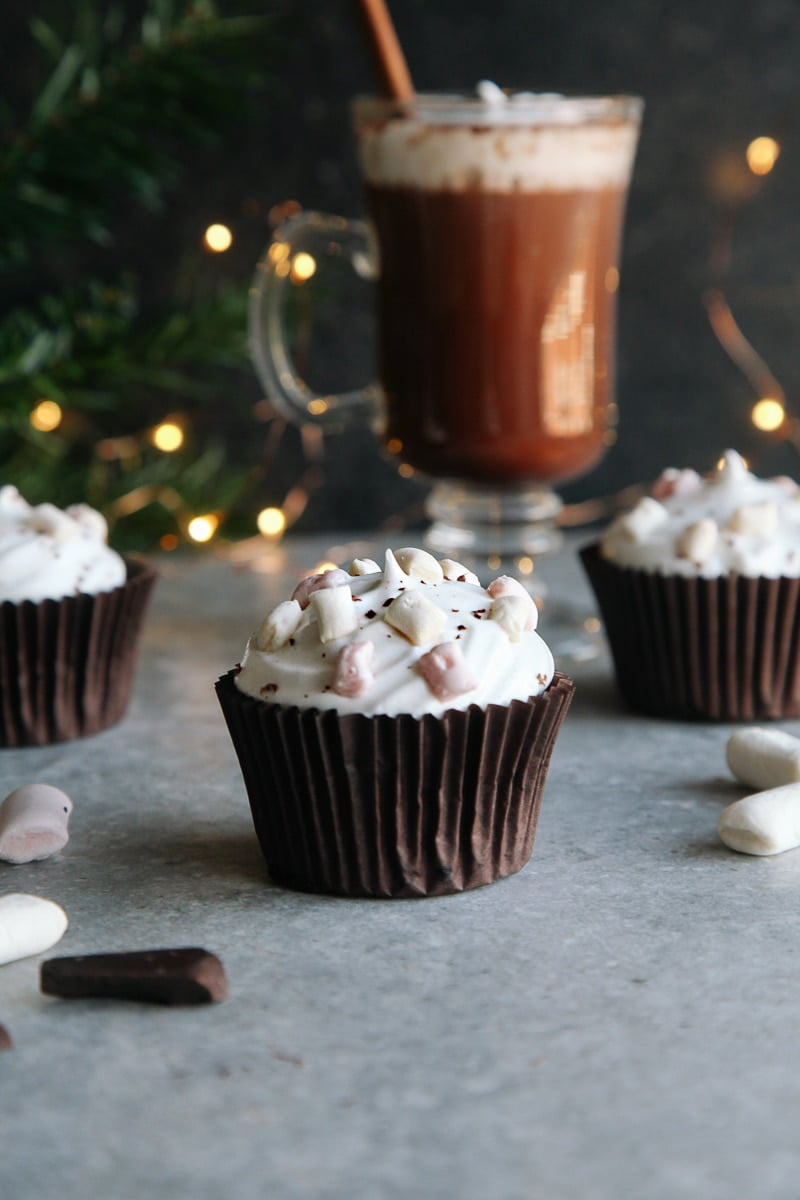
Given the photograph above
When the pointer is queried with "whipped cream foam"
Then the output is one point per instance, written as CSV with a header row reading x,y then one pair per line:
x,y
728,521
522,142
415,642
47,553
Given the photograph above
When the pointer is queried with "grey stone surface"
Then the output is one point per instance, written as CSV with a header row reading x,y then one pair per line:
x,y
617,1020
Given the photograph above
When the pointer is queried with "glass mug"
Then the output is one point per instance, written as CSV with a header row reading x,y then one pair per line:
x,y
494,240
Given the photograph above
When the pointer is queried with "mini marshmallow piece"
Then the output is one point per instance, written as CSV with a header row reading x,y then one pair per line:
x,y
28,925
764,823
10,498
89,518
419,564
506,585
303,589
279,625
46,518
640,522
417,617
446,671
335,612
312,583
673,482
363,566
354,669
33,823
456,572
512,613
756,520
764,758
697,541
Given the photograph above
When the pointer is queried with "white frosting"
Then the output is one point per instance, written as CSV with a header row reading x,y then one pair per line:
x,y
530,143
726,522
301,672
47,552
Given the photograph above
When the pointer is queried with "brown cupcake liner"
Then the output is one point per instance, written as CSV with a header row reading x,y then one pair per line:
x,y
725,649
67,666
394,806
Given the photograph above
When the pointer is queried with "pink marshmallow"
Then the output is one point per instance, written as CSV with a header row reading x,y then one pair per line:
x,y
673,482
446,671
506,585
354,669
332,578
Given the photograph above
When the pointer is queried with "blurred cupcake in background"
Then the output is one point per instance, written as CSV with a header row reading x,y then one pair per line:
x,y
71,610
698,587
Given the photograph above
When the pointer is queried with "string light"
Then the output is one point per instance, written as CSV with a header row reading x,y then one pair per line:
x,y
768,414
303,267
218,238
168,541
46,416
271,522
762,154
202,529
167,437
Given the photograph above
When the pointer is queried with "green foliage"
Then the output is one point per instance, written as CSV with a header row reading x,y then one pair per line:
x,y
107,134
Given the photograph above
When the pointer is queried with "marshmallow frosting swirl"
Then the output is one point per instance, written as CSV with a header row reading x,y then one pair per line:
x,y
727,522
417,641
47,553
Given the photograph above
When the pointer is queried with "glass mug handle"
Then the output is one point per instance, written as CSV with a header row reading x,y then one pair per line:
x,y
315,236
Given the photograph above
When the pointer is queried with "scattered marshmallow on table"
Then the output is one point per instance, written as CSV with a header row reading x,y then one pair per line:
x,y
764,823
33,822
28,925
764,758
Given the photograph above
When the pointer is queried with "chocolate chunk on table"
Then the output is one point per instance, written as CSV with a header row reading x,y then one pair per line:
x,y
5,1039
188,975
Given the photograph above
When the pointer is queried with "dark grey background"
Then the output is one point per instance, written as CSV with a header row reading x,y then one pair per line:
x,y
713,76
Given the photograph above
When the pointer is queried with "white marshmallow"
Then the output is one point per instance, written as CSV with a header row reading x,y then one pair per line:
x,y
764,758
46,518
33,823
89,518
363,566
417,617
335,612
764,823
419,563
698,540
640,522
757,520
28,925
456,572
506,585
512,613
279,625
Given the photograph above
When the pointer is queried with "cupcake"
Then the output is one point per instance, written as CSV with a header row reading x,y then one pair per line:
x,y
394,727
71,610
698,588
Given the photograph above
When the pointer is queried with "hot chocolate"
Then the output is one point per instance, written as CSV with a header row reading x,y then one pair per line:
x,y
498,242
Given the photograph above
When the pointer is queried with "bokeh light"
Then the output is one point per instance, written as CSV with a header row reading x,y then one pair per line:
x,y
768,414
271,522
202,529
46,416
168,437
762,154
218,238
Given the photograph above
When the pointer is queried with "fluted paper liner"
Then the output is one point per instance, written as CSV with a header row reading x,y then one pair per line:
x,y
725,649
67,666
394,806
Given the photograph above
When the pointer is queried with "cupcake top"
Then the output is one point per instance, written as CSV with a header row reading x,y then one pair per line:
x,y
47,553
420,636
725,522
